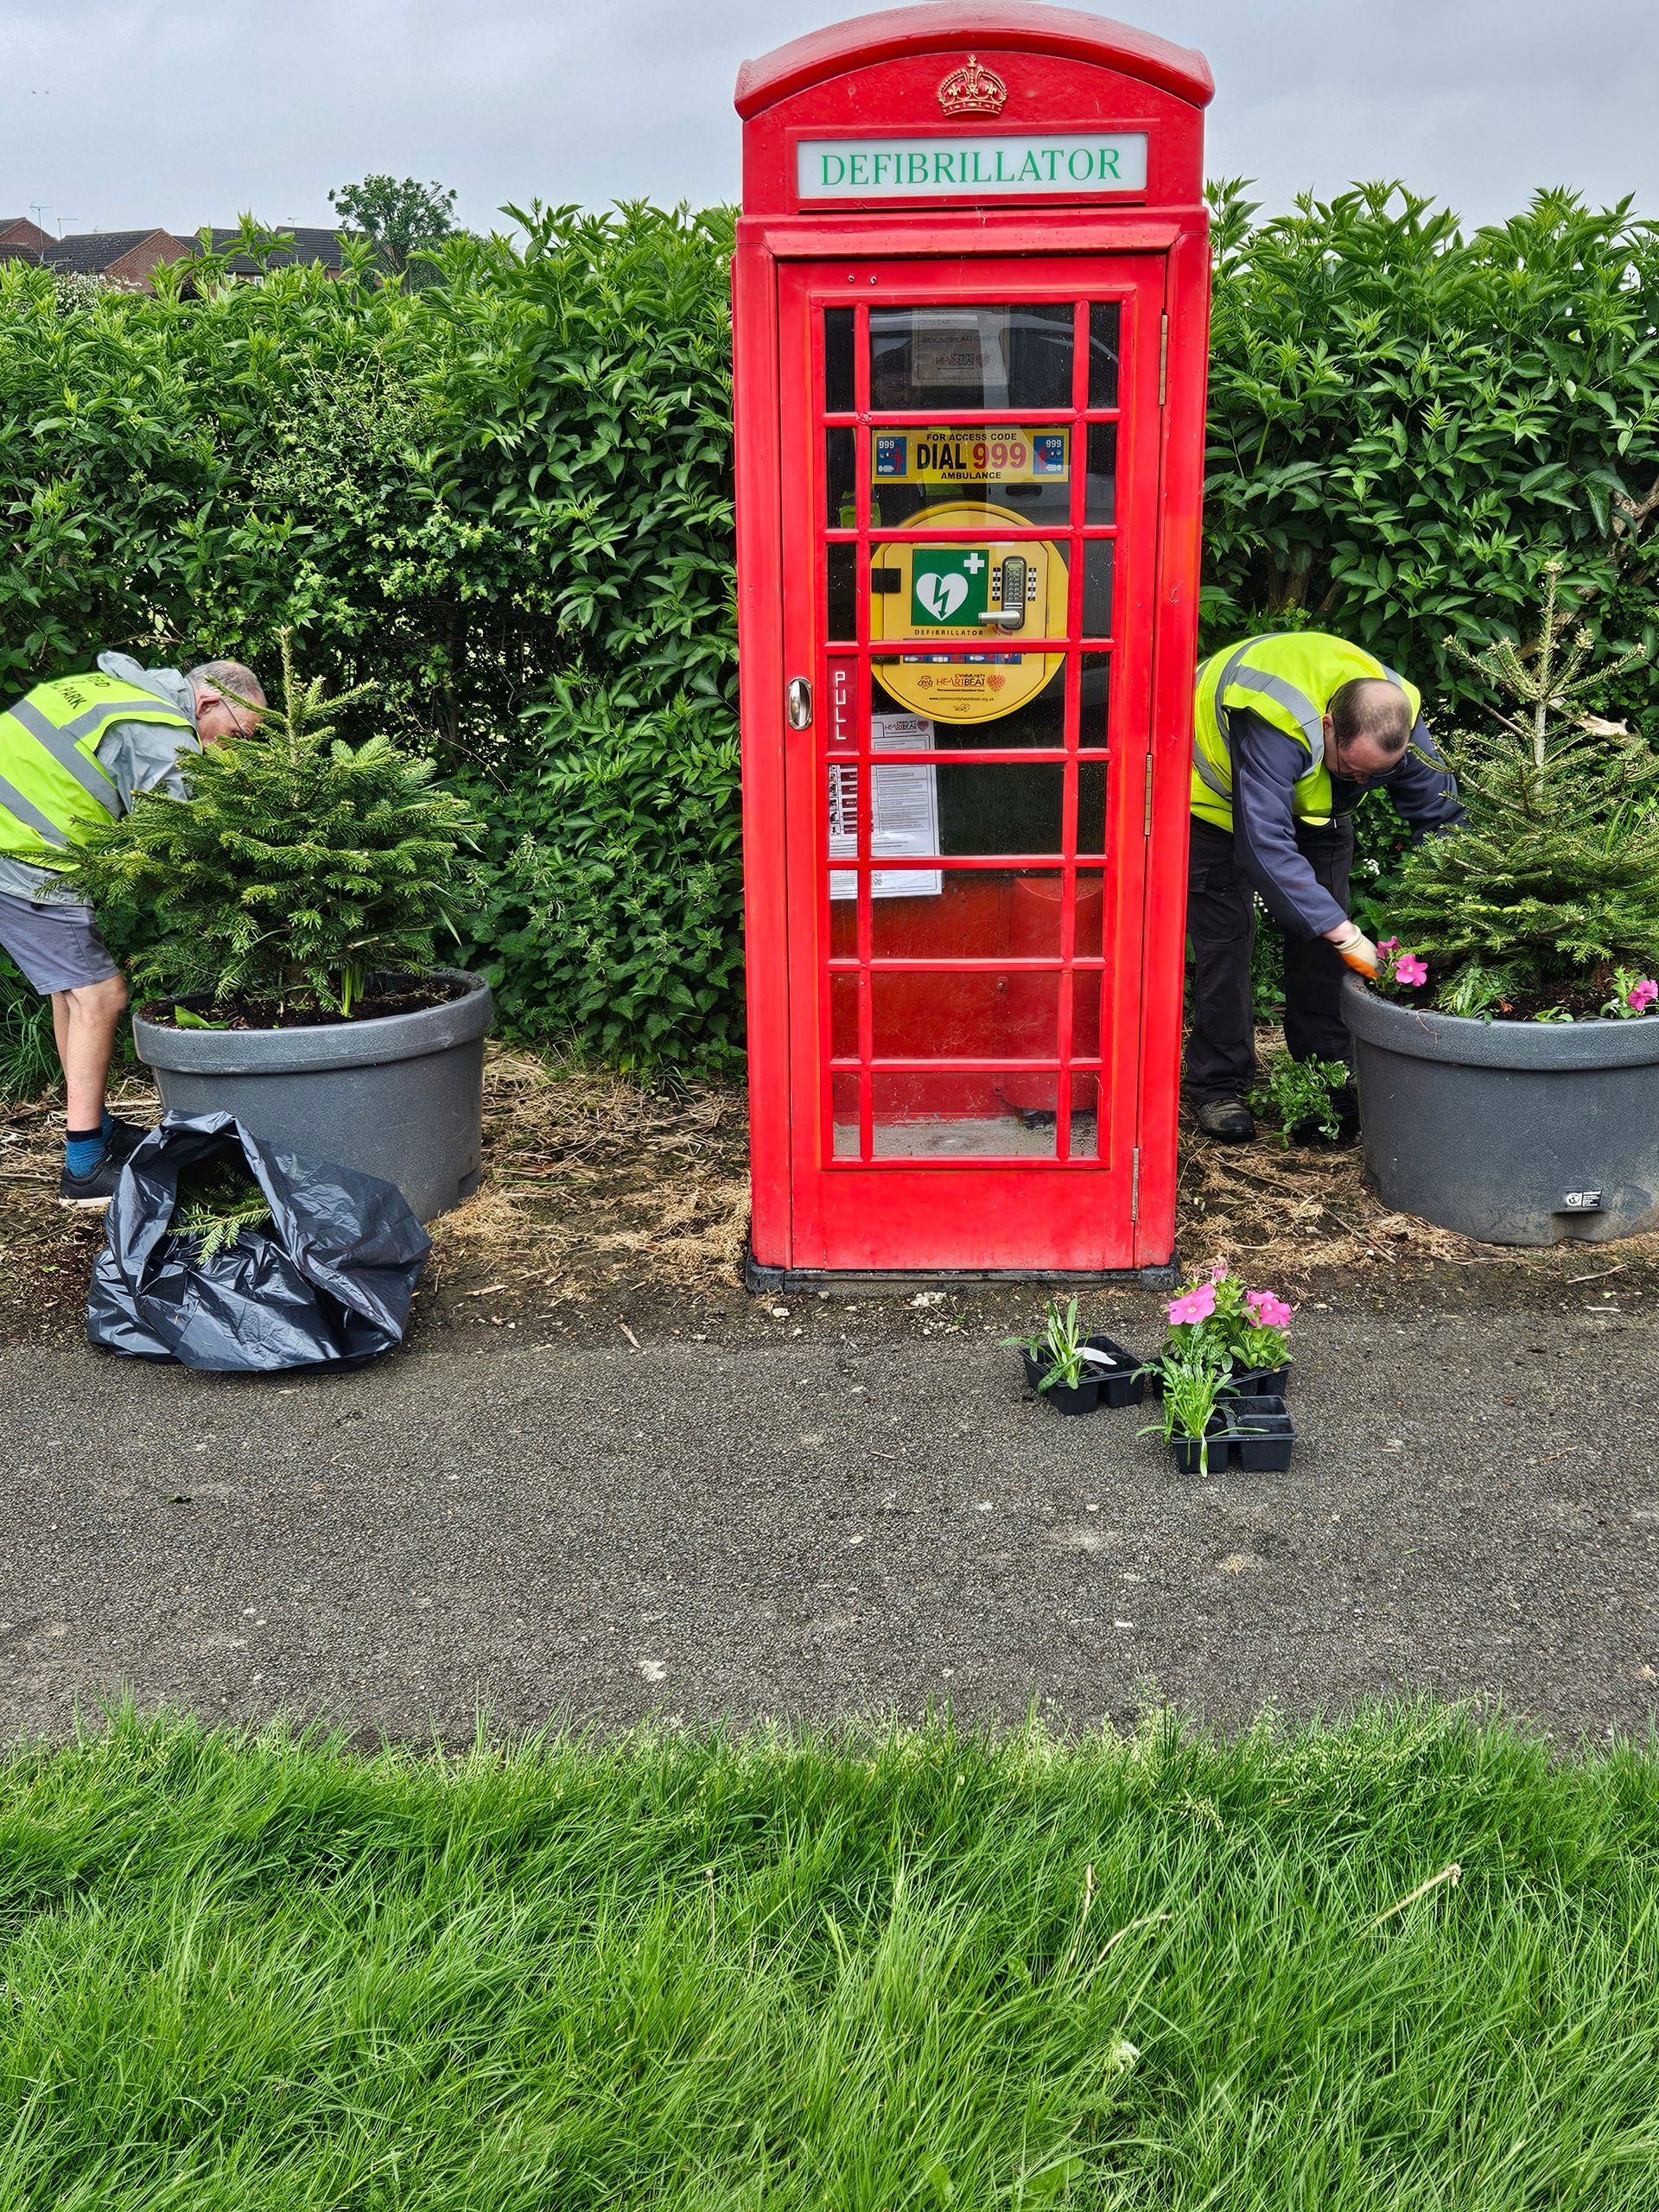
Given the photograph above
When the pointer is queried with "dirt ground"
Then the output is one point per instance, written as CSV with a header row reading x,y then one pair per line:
x,y
605,1206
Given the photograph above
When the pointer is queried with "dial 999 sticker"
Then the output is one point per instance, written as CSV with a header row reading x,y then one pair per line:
x,y
970,453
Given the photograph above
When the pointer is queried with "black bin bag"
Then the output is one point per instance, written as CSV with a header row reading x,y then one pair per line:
x,y
327,1280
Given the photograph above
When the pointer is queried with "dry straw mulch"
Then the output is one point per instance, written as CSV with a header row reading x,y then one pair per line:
x,y
591,1179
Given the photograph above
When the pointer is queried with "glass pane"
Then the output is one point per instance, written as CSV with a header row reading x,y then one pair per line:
x,y
1103,320
954,808
1091,806
1101,490
1099,555
841,504
840,591
838,361
952,1015
992,699
1086,1118
986,595
970,357
927,1116
1096,699
955,474
981,913
844,1114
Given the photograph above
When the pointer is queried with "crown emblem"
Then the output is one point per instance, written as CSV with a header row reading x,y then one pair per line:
x,y
973,90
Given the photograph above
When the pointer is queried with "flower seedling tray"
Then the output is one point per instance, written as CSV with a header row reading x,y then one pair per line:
x,y
1258,1435
1262,1437
1262,1381
1187,1449
1082,1399
1121,1384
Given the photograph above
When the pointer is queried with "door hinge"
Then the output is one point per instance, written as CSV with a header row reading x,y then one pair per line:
x,y
1163,359
1146,823
1134,1187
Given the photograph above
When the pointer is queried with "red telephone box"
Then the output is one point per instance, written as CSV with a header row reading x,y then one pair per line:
x,y
971,295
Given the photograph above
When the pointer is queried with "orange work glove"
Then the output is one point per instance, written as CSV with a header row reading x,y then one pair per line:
x,y
1359,953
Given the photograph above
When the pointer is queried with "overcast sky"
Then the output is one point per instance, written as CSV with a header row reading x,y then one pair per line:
x,y
121,113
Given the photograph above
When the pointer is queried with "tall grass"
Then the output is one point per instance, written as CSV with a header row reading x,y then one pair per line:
x,y
918,1970
29,1059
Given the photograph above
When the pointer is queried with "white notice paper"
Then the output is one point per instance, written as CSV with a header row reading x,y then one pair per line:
x,y
904,813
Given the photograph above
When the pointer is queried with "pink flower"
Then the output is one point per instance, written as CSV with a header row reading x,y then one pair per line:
x,y
1643,996
1387,945
1195,1306
1408,968
1267,1311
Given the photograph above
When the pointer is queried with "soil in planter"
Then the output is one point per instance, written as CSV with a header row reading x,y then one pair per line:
x,y
237,1012
1583,999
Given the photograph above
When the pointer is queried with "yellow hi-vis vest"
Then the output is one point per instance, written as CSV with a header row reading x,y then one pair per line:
x,y
1289,680
52,790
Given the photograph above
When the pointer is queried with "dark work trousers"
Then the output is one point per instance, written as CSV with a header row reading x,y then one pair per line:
x,y
1220,1059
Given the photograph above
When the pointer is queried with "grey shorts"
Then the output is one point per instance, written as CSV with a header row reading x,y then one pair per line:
x,y
58,948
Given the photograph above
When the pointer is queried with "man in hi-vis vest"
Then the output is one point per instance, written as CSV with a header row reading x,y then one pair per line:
x,y
74,754
1289,731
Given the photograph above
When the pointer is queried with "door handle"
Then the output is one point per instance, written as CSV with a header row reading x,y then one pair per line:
x,y
798,702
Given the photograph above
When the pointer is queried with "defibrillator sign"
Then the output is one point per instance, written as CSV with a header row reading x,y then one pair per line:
x,y
1005,454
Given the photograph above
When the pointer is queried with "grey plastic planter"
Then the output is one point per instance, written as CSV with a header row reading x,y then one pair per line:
x,y
401,1096
1513,1132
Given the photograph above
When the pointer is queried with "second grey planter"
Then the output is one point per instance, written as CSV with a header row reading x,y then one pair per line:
x,y
1512,1132
400,1097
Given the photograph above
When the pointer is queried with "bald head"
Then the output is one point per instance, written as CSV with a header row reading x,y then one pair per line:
x,y
1367,725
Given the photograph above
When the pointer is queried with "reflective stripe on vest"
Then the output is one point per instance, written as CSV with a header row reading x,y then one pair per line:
x,y
52,786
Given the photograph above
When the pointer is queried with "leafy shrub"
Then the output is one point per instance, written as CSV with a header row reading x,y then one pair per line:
x,y
1405,423
505,500
610,898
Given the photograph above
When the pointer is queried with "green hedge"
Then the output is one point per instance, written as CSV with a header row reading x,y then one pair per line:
x,y
505,498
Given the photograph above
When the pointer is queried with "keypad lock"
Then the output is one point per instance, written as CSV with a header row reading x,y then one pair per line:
x,y
1011,572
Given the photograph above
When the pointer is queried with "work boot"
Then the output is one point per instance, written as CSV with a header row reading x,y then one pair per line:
x,y
1230,1119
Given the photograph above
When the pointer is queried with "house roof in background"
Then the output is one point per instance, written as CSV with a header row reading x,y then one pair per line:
x,y
89,253
309,246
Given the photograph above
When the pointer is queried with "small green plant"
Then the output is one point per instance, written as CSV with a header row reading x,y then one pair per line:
x,y
216,1203
298,866
1633,996
1059,1343
1301,1092
1192,1387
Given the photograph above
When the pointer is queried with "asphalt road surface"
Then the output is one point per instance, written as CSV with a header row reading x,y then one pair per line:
x,y
837,1522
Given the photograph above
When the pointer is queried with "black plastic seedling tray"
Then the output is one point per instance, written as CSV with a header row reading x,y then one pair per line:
x,y
1081,1400
1122,1385
1262,1381
1257,1434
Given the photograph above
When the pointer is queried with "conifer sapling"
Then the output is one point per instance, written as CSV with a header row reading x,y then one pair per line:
x,y
299,867
1553,880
